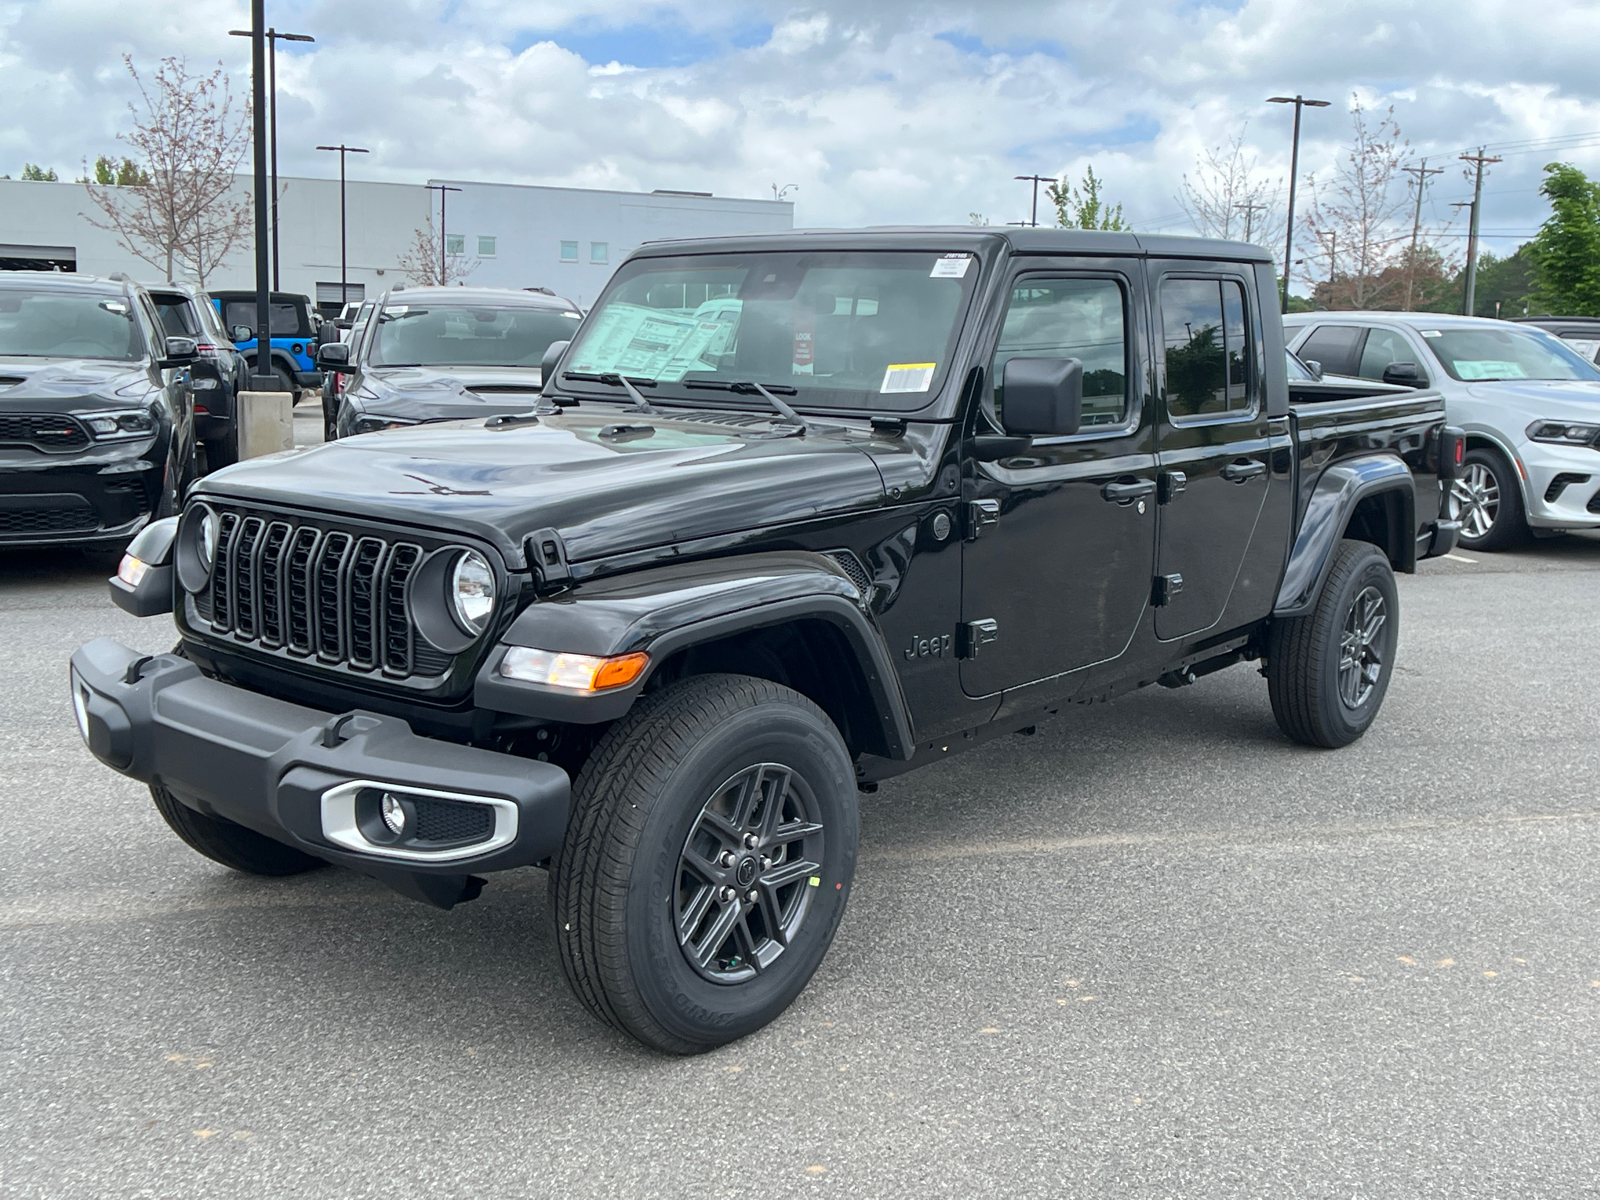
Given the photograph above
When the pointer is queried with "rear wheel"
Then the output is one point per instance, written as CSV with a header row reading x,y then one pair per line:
x,y
1486,498
707,861
227,843
223,450
286,383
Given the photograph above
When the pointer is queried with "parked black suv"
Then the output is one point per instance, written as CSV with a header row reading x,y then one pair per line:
x,y
217,376
795,513
96,429
441,354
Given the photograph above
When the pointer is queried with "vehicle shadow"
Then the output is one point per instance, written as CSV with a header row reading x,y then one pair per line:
x,y
56,566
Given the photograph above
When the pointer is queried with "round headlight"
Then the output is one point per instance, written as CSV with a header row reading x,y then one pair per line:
x,y
195,549
207,544
472,591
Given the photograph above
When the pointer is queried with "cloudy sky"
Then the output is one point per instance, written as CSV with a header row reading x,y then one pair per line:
x,y
879,111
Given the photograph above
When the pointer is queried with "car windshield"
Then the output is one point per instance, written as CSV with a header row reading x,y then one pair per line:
x,y
1481,353
60,324
434,334
841,328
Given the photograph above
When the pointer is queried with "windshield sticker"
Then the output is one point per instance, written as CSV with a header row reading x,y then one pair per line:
x,y
1489,368
948,266
908,377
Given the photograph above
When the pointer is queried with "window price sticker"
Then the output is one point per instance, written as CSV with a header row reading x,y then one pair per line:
x,y
950,266
908,377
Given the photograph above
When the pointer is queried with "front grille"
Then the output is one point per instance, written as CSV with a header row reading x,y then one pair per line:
x,y
1560,484
328,596
452,821
75,516
1594,503
42,431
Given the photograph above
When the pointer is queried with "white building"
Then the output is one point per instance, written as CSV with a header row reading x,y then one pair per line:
x,y
566,239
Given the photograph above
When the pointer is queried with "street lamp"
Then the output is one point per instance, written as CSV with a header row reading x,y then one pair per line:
x,y
442,188
1033,217
1299,102
273,37
344,284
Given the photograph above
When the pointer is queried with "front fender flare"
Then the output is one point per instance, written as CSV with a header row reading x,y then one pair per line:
x,y
667,609
1341,487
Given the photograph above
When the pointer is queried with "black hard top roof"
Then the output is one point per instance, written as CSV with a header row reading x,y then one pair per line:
x,y
233,294
975,238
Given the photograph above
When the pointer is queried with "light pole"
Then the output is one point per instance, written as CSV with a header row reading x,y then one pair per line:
x,y
441,188
273,38
263,378
1033,216
778,193
344,269
1299,102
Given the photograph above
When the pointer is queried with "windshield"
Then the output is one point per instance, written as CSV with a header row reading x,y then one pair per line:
x,y
1481,353
461,335
57,324
842,328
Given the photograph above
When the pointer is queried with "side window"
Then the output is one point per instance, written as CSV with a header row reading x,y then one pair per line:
x,y
1076,318
1334,346
1207,347
1384,346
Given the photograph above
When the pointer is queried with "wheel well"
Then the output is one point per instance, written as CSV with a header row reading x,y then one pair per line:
x,y
1476,441
811,656
1385,520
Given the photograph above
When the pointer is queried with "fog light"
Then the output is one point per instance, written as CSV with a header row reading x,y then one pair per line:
x,y
579,672
394,814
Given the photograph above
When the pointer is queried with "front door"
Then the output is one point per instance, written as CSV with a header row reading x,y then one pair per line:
x,y
1214,440
1061,537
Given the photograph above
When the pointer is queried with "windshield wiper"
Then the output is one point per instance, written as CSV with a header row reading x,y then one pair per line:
x,y
751,388
612,379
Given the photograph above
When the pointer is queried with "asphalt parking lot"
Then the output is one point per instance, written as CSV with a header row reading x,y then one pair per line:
x,y
1155,950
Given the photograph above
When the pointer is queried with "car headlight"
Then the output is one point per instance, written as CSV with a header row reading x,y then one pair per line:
x,y
472,592
374,424
1563,434
109,426
195,548
206,547
577,672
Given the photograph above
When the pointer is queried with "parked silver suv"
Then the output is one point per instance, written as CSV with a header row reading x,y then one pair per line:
x,y
1530,406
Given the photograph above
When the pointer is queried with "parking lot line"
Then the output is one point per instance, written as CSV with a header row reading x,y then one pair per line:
x,y
1461,558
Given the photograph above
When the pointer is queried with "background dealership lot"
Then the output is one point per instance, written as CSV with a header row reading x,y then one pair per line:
x,y
1154,950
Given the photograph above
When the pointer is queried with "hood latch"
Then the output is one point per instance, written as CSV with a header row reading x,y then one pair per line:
x,y
547,554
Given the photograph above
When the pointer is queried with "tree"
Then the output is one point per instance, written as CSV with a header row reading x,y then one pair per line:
x,y
1566,250
422,263
38,174
110,173
175,205
1355,218
1435,282
1226,198
977,218
1505,286
1081,207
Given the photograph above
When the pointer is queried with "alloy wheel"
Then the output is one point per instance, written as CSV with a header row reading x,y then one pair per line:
x,y
746,872
1475,500
1361,647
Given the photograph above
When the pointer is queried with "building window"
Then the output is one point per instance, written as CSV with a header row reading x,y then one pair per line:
x,y
599,252
455,243
569,251
485,247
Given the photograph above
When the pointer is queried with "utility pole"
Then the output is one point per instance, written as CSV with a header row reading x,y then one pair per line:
x,y
441,188
273,38
1422,174
1299,102
1033,218
1472,233
344,270
1250,211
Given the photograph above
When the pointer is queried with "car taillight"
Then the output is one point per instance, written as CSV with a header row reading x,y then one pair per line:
x,y
206,350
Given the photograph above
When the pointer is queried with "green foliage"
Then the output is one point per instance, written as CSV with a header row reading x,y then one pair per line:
x,y
1566,250
1197,372
1081,206
109,172
38,174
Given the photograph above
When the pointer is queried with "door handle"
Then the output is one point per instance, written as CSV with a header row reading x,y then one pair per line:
x,y
1238,472
1119,492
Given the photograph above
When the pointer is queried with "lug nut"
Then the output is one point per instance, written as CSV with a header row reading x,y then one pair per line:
x,y
765,862
726,858
726,894
751,841
753,895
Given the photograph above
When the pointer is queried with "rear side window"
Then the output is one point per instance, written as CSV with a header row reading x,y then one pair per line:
x,y
1334,346
1207,347
285,317
1071,318
177,317
1385,347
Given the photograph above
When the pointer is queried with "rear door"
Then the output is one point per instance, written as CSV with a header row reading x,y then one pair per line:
x,y
1213,438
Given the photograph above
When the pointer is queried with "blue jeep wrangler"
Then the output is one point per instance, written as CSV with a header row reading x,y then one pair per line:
x,y
291,356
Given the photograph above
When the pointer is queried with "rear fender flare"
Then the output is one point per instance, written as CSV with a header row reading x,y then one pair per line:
x,y
668,609
1341,487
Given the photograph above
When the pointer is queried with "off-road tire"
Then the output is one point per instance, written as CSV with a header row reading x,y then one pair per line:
x,y
1510,525
636,801
227,843
1304,653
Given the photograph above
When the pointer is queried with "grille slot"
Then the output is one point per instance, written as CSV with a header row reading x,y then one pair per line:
x,y
75,515
853,568
1594,503
335,597
43,431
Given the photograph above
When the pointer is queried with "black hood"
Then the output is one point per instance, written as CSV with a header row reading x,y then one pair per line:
x,y
684,479
71,385
446,393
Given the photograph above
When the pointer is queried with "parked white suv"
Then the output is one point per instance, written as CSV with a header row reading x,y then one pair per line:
x,y
1529,404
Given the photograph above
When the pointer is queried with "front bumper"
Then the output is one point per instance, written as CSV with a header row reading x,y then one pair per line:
x,y
104,495
1563,485
291,773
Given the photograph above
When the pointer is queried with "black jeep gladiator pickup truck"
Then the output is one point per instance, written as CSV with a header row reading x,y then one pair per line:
x,y
794,513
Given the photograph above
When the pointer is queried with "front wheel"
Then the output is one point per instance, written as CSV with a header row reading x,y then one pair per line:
x,y
1327,672
707,861
1487,499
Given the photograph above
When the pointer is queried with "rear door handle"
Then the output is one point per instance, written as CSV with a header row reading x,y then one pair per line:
x,y
1238,472
1119,492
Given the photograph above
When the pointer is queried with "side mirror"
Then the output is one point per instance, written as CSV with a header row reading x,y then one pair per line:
x,y
179,352
242,333
1042,396
334,356
1313,366
551,360
1407,374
